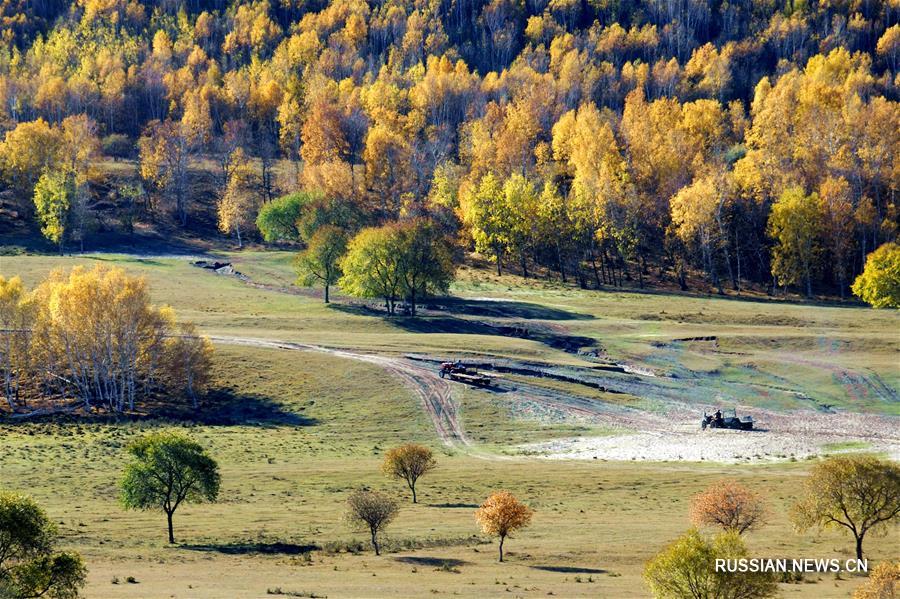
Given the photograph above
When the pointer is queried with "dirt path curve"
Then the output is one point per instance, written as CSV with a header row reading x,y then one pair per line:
x,y
432,390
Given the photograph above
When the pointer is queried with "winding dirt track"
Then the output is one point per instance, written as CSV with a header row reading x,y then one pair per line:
x,y
432,390
670,434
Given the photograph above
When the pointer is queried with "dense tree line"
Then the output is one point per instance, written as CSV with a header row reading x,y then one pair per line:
x,y
752,141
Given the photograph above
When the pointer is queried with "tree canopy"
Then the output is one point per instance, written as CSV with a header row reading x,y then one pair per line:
x,y
501,515
858,493
879,282
409,463
29,564
168,469
611,143
686,569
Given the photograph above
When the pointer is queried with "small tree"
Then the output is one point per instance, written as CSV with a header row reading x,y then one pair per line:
x,y
239,203
320,261
501,514
860,493
879,283
409,462
29,566
686,569
168,469
372,511
730,505
882,584
53,196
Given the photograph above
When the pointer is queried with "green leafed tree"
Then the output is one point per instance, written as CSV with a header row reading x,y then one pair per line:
x,y
686,569
521,198
879,283
29,565
168,469
425,263
484,210
278,220
371,266
53,196
320,262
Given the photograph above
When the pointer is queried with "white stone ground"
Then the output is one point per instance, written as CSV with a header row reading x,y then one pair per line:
x,y
781,436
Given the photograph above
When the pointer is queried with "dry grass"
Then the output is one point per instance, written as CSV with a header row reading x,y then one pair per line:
x,y
295,432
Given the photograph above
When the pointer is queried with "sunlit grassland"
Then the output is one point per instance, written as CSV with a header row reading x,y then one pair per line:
x,y
314,427
294,432
771,353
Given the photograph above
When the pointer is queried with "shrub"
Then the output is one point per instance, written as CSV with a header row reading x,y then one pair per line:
x,y
686,570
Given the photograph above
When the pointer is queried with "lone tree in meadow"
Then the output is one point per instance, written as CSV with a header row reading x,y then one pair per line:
x,y
501,514
371,511
686,569
167,470
858,492
730,505
409,463
29,566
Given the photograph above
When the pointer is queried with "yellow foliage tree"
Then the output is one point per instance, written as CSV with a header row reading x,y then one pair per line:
x,y
240,201
93,335
17,313
794,226
882,584
860,493
409,463
879,283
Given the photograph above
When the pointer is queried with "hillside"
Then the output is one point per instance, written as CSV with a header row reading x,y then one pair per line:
x,y
610,144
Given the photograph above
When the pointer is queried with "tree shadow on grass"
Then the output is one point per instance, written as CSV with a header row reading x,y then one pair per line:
x,y
223,406
469,307
453,505
431,322
502,309
435,562
532,331
248,547
570,569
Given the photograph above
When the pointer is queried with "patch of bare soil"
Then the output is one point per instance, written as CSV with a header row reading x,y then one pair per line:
x,y
676,436
669,434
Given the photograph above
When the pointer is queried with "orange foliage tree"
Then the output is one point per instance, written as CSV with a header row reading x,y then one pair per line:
x,y
730,505
501,514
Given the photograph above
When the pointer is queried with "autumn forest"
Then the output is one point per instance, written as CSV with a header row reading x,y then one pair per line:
x,y
719,145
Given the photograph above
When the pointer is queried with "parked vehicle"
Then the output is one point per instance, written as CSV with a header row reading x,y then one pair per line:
x,y
718,420
457,371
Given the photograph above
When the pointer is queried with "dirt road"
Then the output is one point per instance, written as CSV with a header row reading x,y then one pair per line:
x,y
670,434
432,390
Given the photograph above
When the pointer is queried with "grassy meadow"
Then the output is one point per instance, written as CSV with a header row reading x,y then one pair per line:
x,y
295,432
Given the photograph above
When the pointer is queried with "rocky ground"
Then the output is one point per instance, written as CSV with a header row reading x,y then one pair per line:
x,y
779,436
